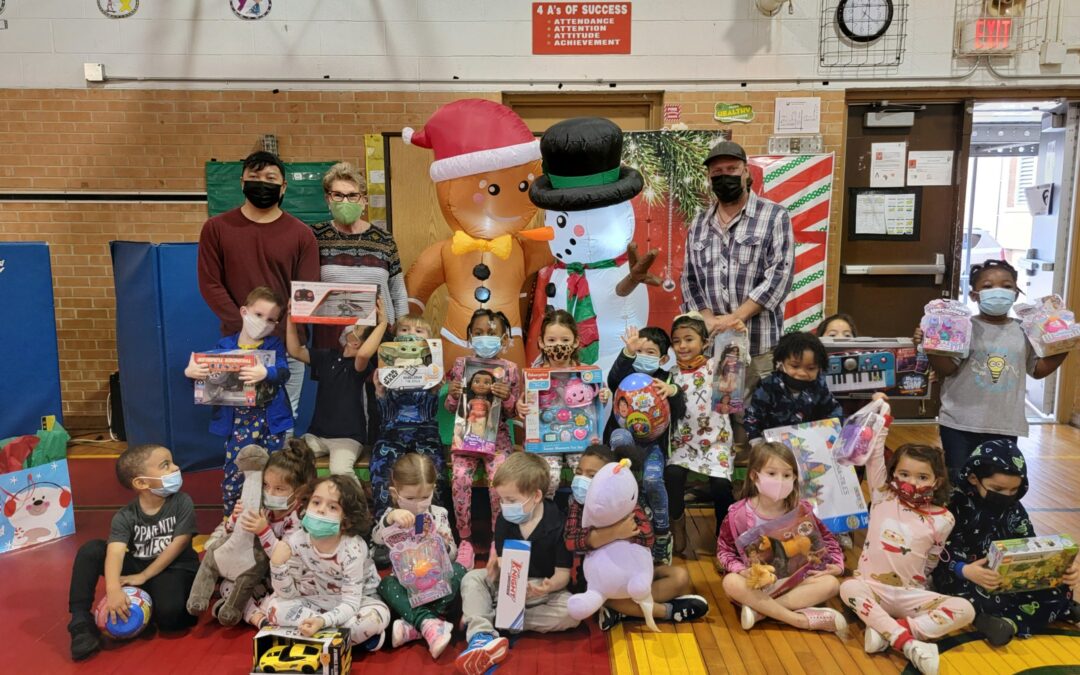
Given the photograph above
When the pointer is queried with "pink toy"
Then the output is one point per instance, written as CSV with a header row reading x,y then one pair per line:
x,y
578,394
1049,326
946,328
420,561
620,569
860,431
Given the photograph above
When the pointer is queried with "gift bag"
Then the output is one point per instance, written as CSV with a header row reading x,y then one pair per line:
x,y
1049,326
476,423
832,488
420,560
946,327
791,544
37,505
731,349
860,431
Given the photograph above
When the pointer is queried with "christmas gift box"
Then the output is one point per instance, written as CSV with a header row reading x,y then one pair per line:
x,y
832,488
732,351
946,327
860,431
476,423
566,408
224,387
1049,326
859,367
421,563
411,364
791,544
1032,563
37,506
513,582
286,650
333,303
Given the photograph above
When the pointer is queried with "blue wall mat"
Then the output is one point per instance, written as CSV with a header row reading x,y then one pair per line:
x,y
30,387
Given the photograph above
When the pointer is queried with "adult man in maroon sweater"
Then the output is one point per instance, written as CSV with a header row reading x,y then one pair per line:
x,y
255,245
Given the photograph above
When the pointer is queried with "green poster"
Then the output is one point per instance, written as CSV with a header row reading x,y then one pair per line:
x,y
303,198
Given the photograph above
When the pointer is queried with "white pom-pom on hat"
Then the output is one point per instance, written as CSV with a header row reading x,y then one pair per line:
x,y
407,134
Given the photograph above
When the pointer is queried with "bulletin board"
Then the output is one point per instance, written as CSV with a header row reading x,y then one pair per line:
x,y
304,196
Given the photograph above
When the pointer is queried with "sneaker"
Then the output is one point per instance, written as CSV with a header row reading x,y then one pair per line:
x,y
923,655
661,550
688,608
824,618
748,617
466,556
373,643
380,553
402,632
873,642
484,651
998,631
437,634
1074,613
315,443
85,640
621,437
609,618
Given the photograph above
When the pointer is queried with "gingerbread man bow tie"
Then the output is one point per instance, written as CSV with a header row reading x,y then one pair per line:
x,y
500,245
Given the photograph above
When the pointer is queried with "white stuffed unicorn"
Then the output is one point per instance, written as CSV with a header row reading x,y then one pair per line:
x,y
621,569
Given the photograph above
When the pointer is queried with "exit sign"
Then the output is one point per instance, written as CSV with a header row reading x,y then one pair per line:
x,y
992,35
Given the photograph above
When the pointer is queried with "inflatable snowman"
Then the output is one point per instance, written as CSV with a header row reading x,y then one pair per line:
x,y
586,193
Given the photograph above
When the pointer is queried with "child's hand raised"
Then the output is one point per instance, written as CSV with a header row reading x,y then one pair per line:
x,y
253,374
501,390
401,518
309,627
977,573
380,311
632,340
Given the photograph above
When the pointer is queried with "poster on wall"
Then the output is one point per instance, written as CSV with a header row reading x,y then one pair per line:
x,y
577,28
375,170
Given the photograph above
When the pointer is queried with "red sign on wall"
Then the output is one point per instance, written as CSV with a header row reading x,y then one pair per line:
x,y
581,28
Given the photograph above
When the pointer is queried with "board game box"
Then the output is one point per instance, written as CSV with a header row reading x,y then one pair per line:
x,y
1031,563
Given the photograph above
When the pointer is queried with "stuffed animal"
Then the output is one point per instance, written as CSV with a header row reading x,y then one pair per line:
x,y
761,576
621,569
237,557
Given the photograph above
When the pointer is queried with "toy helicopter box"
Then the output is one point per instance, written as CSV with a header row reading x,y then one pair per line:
x,y
513,582
224,387
335,304
285,650
566,408
861,366
476,423
411,364
1031,564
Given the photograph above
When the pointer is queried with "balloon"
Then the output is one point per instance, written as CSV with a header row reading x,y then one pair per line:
x,y
639,408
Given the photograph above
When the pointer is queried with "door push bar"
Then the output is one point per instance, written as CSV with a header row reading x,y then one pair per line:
x,y
937,270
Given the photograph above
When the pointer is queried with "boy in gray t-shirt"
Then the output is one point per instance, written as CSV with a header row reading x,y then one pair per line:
x,y
149,546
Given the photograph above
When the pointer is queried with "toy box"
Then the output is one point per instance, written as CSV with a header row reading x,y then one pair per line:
x,y
832,488
1031,564
224,387
859,367
513,580
1049,326
336,304
476,423
285,650
732,352
946,327
566,408
791,544
420,560
859,432
411,364
37,506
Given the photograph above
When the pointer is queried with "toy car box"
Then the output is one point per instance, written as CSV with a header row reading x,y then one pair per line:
x,y
411,364
566,408
285,650
513,580
335,304
476,422
224,387
1032,563
861,366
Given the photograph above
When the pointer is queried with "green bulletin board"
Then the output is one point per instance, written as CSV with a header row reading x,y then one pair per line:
x,y
303,198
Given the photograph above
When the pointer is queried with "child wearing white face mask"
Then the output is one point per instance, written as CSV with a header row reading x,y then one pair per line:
x,y
265,425
412,486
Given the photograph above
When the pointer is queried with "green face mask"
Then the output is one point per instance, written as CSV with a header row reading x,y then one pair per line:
x,y
345,213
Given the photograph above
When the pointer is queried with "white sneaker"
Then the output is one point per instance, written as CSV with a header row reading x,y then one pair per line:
x,y
874,642
748,617
923,655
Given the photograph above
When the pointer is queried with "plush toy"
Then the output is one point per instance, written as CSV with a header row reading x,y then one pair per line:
x,y
238,557
621,569
761,575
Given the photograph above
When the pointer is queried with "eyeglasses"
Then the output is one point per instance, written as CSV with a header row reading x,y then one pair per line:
x,y
353,197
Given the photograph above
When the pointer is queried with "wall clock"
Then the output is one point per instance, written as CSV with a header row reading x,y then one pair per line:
x,y
864,20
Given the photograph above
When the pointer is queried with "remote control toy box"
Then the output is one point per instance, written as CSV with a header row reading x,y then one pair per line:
x,y
285,650
224,387
336,304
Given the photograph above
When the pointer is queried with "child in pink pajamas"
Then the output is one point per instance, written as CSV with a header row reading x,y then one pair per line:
x,y
489,333
908,529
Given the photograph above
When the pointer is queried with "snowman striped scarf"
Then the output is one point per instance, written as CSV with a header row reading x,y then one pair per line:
x,y
580,305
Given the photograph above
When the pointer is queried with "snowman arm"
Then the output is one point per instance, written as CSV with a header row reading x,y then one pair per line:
x,y
537,255
426,275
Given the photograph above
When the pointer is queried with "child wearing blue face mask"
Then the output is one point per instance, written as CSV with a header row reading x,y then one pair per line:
x,y
983,395
149,546
489,333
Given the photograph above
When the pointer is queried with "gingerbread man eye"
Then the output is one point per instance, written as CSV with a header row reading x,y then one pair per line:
x,y
523,186
493,189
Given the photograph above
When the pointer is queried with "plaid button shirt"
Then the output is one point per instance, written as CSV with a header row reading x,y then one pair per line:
x,y
753,260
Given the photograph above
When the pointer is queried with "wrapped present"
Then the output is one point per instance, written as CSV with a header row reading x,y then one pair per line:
x,y
476,423
859,432
337,304
1032,563
411,363
1049,326
946,327
37,506
224,387
832,487
858,367
287,650
732,352
566,408
791,544
420,561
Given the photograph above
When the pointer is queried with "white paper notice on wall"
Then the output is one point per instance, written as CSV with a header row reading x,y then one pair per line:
x,y
377,176
930,167
887,164
885,214
1038,201
797,115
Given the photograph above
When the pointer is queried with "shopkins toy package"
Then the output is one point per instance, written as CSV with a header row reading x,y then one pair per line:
x,y
946,327
732,352
566,408
420,560
1049,326
476,423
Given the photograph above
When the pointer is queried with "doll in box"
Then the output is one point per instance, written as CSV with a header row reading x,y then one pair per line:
x,y
479,403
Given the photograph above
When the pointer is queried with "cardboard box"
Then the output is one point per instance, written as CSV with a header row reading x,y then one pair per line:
x,y
37,506
476,422
860,367
1049,325
568,408
513,580
1032,563
946,327
287,651
335,304
411,364
224,387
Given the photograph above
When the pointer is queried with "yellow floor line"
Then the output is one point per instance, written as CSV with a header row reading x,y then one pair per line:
x,y
664,653
1040,650
619,648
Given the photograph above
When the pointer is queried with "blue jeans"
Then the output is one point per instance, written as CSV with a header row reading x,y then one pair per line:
x,y
655,491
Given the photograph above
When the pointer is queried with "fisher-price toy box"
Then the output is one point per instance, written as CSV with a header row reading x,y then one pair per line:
x,y
1032,563
332,303
285,650
566,408
411,364
513,583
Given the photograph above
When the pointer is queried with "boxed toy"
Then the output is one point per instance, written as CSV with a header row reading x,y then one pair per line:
x,y
946,327
420,560
224,387
285,650
411,364
861,366
566,408
832,488
791,544
732,352
332,303
860,431
1049,326
513,580
1032,563
476,423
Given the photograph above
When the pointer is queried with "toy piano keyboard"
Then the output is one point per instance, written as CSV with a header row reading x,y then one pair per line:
x,y
860,367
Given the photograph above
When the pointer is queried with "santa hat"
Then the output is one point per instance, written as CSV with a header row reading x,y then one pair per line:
x,y
474,136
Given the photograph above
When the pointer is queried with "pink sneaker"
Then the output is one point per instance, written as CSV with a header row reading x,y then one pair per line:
x,y
438,634
403,633
466,556
825,618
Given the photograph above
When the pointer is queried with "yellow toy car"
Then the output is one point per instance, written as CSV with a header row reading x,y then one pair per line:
x,y
291,658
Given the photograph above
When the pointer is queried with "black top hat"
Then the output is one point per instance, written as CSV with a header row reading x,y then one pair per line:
x,y
583,167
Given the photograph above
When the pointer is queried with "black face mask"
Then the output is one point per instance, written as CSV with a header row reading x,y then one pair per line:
x,y
795,384
728,189
998,502
261,194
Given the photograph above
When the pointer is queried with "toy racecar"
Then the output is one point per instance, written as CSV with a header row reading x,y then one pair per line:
x,y
291,658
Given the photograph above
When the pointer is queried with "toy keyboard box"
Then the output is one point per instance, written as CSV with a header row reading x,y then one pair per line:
x,y
285,650
37,506
336,304
862,366
224,387
831,487
513,582
566,408
1031,564
411,364
476,423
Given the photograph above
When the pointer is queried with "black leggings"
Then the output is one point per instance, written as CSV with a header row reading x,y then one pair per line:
x,y
719,489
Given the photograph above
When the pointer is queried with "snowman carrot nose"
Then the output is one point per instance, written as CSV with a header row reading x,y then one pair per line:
x,y
538,234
